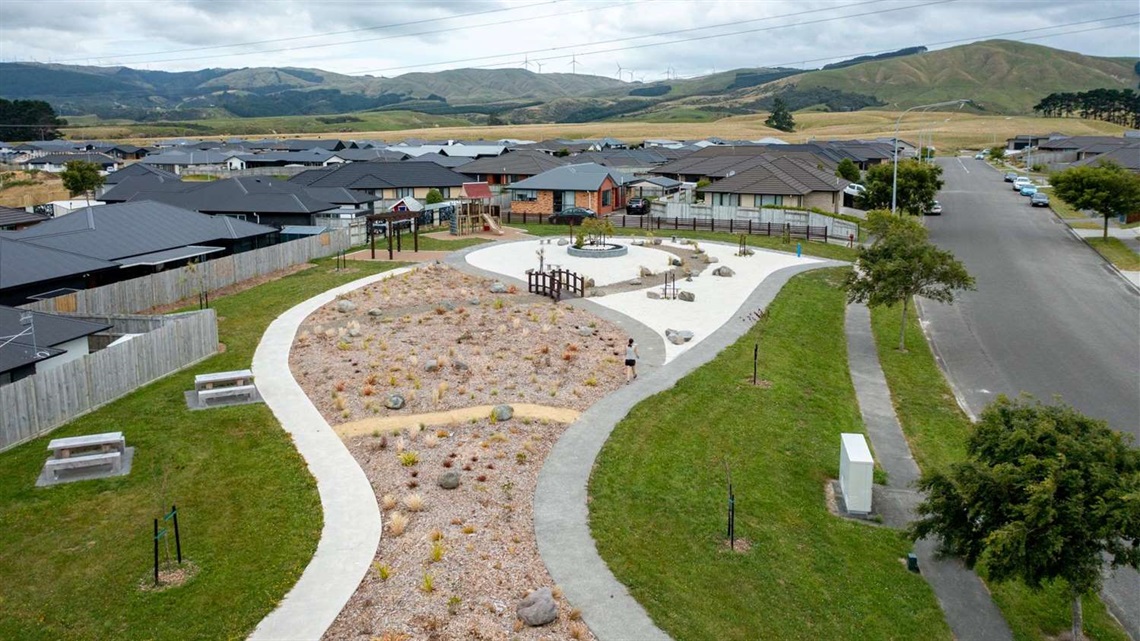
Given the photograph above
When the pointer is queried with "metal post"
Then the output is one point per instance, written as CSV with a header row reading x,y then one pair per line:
x,y
755,360
156,551
177,538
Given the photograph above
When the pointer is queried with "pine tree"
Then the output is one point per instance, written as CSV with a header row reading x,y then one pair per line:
x,y
780,117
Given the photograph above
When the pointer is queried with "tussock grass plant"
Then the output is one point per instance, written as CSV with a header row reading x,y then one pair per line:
x,y
414,503
397,523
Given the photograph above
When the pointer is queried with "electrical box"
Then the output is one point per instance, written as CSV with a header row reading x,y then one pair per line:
x,y
856,472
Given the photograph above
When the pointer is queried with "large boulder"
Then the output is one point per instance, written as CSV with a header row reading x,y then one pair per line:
x,y
724,270
675,339
395,402
345,306
653,293
562,242
688,297
448,480
503,412
538,608
676,262
644,272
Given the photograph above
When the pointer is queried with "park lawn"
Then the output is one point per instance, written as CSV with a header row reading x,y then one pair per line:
x,y
72,556
1116,252
658,495
937,429
836,252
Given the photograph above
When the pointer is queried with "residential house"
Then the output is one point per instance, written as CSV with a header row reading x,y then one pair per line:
x,y
511,167
779,182
589,185
186,162
451,162
389,181
37,341
123,151
12,219
1127,156
1021,141
654,187
55,163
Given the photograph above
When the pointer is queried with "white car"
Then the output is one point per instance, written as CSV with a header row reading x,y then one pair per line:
x,y
981,155
855,189
1020,182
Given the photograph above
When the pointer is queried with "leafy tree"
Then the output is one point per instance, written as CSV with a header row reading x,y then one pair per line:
x,y
28,120
1106,188
433,196
902,263
917,185
780,118
997,154
848,170
1043,495
81,177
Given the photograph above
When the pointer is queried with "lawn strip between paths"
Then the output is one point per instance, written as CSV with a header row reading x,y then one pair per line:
x,y
658,498
937,430
72,556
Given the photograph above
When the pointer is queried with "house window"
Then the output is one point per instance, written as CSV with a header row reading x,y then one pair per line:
x,y
525,195
768,201
726,200
606,198
444,191
404,192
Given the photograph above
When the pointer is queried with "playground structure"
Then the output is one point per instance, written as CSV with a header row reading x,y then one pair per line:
x,y
475,214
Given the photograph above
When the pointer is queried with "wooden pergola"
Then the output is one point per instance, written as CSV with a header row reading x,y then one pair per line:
x,y
391,218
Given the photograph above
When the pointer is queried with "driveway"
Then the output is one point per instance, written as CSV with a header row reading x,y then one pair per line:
x,y
1049,317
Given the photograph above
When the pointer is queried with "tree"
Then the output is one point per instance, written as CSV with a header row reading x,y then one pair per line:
x,y
81,177
28,120
1106,188
997,154
495,120
1043,495
902,263
433,196
918,183
780,118
848,170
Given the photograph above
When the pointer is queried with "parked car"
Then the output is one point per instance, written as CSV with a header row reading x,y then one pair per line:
x,y
572,215
1028,190
1020,182
935,210
981,155
1040,199
855,189
637,207
1010,176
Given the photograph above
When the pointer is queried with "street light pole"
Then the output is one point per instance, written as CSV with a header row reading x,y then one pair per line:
x,y
895,177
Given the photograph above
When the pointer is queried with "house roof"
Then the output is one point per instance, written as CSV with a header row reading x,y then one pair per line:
x,y
1081,142
340,195
289,156
50,330
115,232
624,157
524,162
476,190
779,176
442,160
657,181
364,155
137,169
245,194
381,175
1127,156
59,159
11,216
579,177
23,263
189,158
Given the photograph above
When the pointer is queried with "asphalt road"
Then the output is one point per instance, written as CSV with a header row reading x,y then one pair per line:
x,y
1048,317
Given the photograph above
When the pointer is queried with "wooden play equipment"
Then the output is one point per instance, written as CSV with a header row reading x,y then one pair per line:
x,y
475,214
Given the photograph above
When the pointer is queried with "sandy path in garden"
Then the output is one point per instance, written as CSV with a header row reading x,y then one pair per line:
x,y
460,415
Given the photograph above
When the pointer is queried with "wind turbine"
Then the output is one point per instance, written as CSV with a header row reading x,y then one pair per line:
x,y
539,66
526,62
630,74
574,63
619,72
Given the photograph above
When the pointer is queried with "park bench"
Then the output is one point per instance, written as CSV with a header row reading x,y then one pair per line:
x,y
247,392
236,378
89,451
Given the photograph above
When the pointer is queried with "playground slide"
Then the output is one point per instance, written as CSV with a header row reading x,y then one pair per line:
x,y
493,224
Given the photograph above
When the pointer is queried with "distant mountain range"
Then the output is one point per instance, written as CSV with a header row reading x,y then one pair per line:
x,y
1000,76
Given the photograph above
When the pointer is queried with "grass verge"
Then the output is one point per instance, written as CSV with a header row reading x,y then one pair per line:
x,y
937,430
1116,252
657,507
837,252
72,557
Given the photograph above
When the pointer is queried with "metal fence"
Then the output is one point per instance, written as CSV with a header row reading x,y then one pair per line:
x,y
37,404
821,233
187,283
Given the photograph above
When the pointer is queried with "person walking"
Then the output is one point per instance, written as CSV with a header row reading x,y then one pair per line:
x,y
631,357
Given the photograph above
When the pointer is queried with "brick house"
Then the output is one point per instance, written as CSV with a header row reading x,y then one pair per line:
x,y
779,182
588,185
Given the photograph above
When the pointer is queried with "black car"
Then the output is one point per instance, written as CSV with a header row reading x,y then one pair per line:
x,y
572,215
1010,176
1039,200
637,207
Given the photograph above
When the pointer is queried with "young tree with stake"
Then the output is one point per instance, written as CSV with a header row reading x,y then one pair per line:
x,y
81,177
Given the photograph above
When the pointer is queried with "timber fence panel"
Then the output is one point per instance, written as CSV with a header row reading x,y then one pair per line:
x,y
18,418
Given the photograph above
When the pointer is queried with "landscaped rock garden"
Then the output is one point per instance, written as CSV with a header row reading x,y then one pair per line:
x,y
438,339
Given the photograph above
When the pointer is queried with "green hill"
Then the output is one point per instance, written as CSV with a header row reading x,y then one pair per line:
x,y
999,75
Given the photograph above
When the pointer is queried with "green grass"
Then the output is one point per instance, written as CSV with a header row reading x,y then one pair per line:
x,y
72,556
937,430
657,507
836,252
1116,252
1065,210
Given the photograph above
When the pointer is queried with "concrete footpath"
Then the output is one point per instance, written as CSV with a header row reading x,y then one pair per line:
x,y
351,530
970,612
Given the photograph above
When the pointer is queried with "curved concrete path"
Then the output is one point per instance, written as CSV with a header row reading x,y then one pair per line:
x,y
351,528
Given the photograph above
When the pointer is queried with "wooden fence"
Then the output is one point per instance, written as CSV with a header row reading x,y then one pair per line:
x,y
37,404
819,233
187,283
553,283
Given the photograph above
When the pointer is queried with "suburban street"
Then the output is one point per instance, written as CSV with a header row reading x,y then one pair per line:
x,y
1049,317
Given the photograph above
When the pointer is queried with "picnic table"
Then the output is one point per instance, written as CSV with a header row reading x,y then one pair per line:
x,y
235,378
88,451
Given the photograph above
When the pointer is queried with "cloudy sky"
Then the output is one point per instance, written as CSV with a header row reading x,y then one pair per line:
x,y
649,38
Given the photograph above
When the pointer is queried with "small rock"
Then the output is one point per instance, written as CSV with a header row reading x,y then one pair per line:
x,y
670,331
460,366
711,259
562,242
594,293
449,306
345,306
472,301
590,282
498,287
676,262
654,294
394,402
656,241
638,243
431,366
688,297
354,331
635,281
645,272
686,335
585,331
724,271
503,412
538,608
448,480
375,311
676,339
